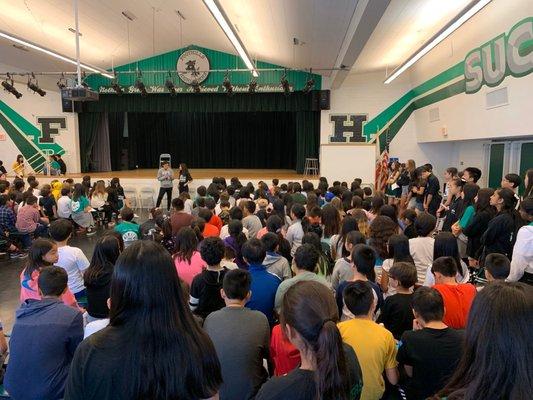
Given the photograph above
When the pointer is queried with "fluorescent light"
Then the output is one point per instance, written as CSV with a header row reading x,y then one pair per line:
x,y
54,54
464,16
224,23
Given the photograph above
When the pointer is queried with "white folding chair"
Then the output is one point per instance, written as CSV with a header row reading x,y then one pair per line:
x,y
146,197
132,196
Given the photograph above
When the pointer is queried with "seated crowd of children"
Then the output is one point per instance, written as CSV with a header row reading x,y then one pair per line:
x,y
284,292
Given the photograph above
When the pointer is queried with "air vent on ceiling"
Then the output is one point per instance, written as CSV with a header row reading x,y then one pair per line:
x,y
434,114
21,47
129,15
497,98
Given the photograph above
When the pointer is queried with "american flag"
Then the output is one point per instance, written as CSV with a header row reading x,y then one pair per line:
x,y
382,171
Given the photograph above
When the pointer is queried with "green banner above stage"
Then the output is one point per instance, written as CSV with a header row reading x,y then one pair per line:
x,y
192,64
189,89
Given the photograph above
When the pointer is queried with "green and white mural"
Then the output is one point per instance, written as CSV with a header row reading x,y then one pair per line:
x,y
34,142
508,54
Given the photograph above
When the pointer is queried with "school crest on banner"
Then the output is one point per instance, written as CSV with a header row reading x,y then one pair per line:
x,y
193,65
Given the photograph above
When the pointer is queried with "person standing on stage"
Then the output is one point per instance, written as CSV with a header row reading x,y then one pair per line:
x,y
165,176
184,178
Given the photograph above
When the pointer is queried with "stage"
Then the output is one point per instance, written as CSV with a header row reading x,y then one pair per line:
x,y
144,180
253,175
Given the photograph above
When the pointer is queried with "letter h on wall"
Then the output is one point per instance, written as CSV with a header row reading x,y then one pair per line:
x,y
347,128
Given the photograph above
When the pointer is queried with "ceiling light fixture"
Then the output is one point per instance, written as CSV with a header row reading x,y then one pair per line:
x,y
33,84
310,84
224,22
8,85
62,82
74,31
23,42
285,85
170,85
116,87
139,84
448,29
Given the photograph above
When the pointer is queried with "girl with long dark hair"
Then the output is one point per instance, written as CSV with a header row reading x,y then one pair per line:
x,y
381,229
274,224
398,247
235,240
500,235
483,213
187,258
342,270
18,167
329,369
338,250
446,246
42,253
498,329
278,208
184,178
81,210
97,278
331,220
153,348
528,184
469,193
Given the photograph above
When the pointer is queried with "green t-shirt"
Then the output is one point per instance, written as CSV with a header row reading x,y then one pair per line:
x,y
77,206
467,217
54,165
129,231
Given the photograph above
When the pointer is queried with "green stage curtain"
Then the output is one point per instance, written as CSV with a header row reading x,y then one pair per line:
x,y
307,137
203,102
261,130
213,140
88,125
116,132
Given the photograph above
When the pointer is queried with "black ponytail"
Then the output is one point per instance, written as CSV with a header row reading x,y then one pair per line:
x,y
309,308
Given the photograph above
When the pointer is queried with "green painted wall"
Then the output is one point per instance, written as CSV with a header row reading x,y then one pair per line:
x,y
217,59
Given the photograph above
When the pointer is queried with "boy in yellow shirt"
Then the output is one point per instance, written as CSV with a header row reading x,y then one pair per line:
x,y
374,345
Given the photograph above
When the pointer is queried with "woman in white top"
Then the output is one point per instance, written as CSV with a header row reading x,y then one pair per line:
x,y
522,261
98,197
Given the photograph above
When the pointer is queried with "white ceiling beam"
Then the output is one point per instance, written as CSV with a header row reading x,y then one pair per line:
x,y
364,20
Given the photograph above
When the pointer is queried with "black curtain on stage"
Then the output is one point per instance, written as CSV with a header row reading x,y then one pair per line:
x,y
262,130
213,140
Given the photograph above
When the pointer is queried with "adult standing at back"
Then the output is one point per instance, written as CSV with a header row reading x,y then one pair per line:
x,y
432,197
184,178
165,176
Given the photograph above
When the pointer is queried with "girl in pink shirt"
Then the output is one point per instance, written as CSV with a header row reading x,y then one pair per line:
x,y
42,253
187,259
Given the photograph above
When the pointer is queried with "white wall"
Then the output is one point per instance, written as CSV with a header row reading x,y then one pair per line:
x,y
30,106
468,123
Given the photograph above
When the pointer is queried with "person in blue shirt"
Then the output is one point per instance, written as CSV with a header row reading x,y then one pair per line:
x,y
44,338
264,284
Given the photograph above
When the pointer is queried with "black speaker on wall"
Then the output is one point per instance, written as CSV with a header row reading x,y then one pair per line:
x,y
324,99
69,105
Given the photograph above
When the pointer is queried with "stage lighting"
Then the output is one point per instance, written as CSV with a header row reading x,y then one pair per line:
x,y
227,85
116,87
309,85
196,86
285,85
33,84
252,86
140,85
8,85
62,82
171,87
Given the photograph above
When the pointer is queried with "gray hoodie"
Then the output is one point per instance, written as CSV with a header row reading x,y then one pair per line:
x,y
277,265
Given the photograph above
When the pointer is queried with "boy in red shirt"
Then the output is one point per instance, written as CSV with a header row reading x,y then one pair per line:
x,y
457,297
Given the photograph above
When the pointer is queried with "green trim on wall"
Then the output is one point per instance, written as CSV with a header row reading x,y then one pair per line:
x,y
26,136
218,60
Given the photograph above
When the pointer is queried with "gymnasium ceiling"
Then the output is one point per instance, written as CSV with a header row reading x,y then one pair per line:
x,y
330,32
